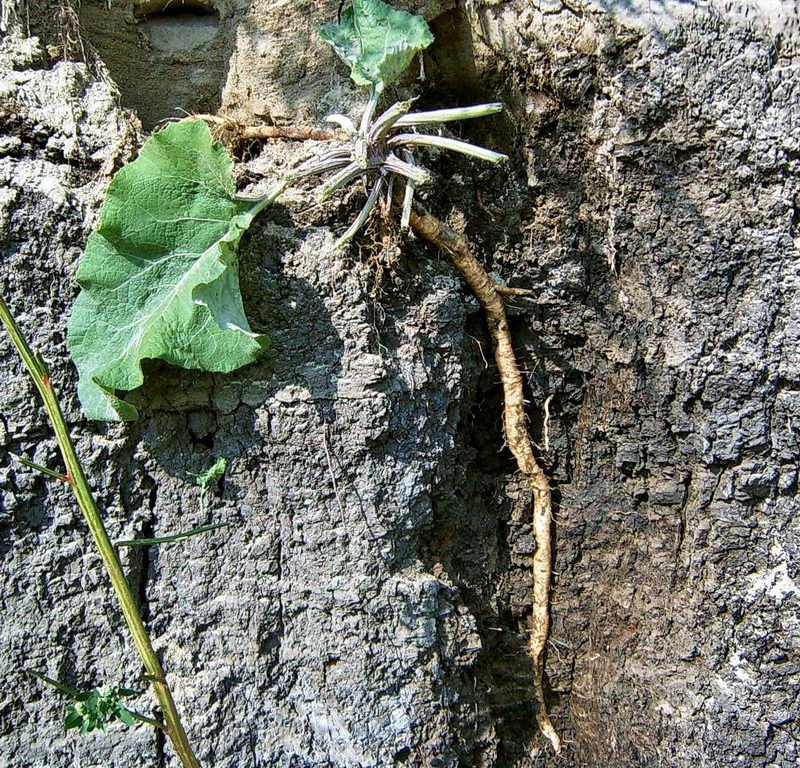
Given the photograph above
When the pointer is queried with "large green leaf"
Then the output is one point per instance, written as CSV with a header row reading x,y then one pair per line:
x,y
376,41
159,275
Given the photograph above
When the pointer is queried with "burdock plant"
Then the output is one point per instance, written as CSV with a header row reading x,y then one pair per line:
x,y
378,42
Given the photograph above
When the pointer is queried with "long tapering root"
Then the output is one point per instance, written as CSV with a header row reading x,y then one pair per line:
x,y
491,298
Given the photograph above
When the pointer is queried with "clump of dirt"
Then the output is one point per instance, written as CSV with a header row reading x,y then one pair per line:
x,y
168,57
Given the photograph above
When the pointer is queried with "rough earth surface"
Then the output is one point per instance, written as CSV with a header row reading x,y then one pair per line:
x,y
367,605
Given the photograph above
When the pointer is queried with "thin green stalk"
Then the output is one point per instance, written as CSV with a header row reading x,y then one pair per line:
x,y
72,692
369,111
346,175
146,720
362,139
272,195
83,495
38,467
343,122
408,199
409,170
173,537
388,119
362,217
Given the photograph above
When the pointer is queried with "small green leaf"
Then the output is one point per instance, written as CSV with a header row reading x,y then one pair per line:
x,y
86,696
159,275
125,716
376,41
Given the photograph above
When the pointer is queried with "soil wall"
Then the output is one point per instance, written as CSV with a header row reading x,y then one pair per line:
x,y
367,606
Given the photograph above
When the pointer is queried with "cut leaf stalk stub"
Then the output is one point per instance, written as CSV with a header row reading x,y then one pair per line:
x,y
343,122
449,115
362,217
410,171
388,119
327,163
338,180
408,197
442,142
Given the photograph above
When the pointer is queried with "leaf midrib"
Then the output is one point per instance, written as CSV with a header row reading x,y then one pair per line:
x,y
136,339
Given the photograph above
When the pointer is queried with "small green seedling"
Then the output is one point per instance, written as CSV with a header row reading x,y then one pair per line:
x,y
207,479
96,708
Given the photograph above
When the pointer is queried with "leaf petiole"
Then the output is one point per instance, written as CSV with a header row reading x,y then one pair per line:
x,y
39,468
346,175
446,115
260,203
49,680
454,145
410,171
408,197
322,166
362,138
344,122
362,216
369,111
389,119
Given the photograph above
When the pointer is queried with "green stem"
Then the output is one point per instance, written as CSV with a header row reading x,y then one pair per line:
x,y
147,720
83,495
369,111
388,119
262,202
362,217
446,115
361,153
